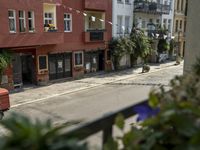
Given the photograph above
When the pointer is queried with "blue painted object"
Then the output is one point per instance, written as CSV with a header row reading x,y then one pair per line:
x,y
145,111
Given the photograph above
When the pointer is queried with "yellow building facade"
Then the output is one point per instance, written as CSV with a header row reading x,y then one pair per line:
x,y
180,14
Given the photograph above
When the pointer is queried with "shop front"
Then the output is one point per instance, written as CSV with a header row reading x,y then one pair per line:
x,y
60,65
94,61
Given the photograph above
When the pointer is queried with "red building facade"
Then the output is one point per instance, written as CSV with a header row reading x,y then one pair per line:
x,y
54,39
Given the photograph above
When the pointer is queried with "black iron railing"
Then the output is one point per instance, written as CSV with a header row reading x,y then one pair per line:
x,y
151,7
96,35
104,124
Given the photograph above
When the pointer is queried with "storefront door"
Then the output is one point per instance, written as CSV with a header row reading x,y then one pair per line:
x,y
60,66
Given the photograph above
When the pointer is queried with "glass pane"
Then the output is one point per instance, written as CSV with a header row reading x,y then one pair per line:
x,y
30,24
52,67
12,24
68,25
78,59
10,13
67,64
21,14
29,14
60,66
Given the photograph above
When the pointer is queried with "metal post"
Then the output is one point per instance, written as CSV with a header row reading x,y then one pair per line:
x,y
107,133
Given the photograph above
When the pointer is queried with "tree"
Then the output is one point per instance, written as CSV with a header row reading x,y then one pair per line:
x,y
120,47
5,60
163,45
142,45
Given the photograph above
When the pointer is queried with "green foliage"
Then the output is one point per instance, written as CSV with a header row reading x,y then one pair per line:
x,y
120,47
119,121
142,44
24,134
5,60
177,125
163,46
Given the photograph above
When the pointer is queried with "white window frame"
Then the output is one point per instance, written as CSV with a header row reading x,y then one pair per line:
x,y
127,2
119,26
127,26
33,21
80,65
120,1
13,17
22,18
68,19
48,18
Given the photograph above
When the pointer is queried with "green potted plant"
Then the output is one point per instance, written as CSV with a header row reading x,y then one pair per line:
x,y
5,60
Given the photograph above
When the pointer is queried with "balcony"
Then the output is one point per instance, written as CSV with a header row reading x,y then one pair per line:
x,y
31,39
95,36
151,7
95,5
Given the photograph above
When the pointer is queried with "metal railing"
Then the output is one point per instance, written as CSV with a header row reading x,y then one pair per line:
x,y
151,7
104,124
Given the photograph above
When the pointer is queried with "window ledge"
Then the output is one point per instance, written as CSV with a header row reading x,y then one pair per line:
x,y
67,31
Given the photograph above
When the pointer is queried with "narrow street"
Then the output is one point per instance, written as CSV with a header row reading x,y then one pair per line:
x,y
91,103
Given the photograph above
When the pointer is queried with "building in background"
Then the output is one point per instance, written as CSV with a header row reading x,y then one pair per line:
x,y
122,23
180,13
168,19
149,15
54,40
193,35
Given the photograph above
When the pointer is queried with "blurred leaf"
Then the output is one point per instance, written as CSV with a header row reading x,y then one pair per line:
x,y
111,145
119,121
153,100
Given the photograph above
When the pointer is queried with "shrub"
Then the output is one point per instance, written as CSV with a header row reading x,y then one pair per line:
x,y
24,134
176,126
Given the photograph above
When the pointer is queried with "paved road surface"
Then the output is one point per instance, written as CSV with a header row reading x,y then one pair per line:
x,y
89,104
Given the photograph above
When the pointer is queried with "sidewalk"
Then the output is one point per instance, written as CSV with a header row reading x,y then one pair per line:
x,y
37,93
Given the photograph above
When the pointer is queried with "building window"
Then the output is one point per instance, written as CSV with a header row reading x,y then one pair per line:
x,y
127,22
48,18
67,22
177,5
120,1
42,63
31,21
176,27
143,24
127,2
165,23
119,25
12,21
78,56
169,24
22,21
182,2
181,24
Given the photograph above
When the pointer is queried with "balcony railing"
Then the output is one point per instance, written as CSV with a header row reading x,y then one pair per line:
x,y
95,36
151,7
104,124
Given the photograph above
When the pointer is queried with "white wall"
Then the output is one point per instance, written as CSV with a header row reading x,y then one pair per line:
x,y
121,9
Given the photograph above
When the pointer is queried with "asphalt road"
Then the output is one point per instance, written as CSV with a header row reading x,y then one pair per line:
x,y
89,104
